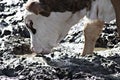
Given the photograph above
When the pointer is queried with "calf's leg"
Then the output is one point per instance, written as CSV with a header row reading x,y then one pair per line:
x,y
92,31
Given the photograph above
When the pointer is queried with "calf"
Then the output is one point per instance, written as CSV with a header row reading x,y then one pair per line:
x,y
48,21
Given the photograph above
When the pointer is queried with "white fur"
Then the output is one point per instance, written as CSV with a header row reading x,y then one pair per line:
x,y
103,10
52,29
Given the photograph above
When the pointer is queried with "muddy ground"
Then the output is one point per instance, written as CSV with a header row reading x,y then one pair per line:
x,y
17,62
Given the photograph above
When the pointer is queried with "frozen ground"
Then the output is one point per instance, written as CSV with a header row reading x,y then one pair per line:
x,y
64,62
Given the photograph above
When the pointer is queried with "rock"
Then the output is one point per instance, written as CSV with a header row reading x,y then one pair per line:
x,y
6,32
108,38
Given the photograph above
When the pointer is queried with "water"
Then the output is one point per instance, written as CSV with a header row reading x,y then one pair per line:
x,y
100,49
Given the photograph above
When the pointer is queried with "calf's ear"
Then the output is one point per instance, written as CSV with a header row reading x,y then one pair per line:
x,y
33,7
38,8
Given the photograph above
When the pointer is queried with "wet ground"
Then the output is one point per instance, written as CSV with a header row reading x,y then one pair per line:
x,y
64,62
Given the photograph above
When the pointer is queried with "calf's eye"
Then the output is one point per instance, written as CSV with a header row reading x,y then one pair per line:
x,y
29,24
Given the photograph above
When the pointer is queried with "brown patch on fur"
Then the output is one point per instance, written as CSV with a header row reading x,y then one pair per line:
x,y
67,5
92,31
45,7
33,7
36,8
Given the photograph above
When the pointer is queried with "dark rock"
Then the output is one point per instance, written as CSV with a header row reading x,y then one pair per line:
x,y
9,72
4,15
108,36
3,23
2,7
22,49
22,31
6,32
